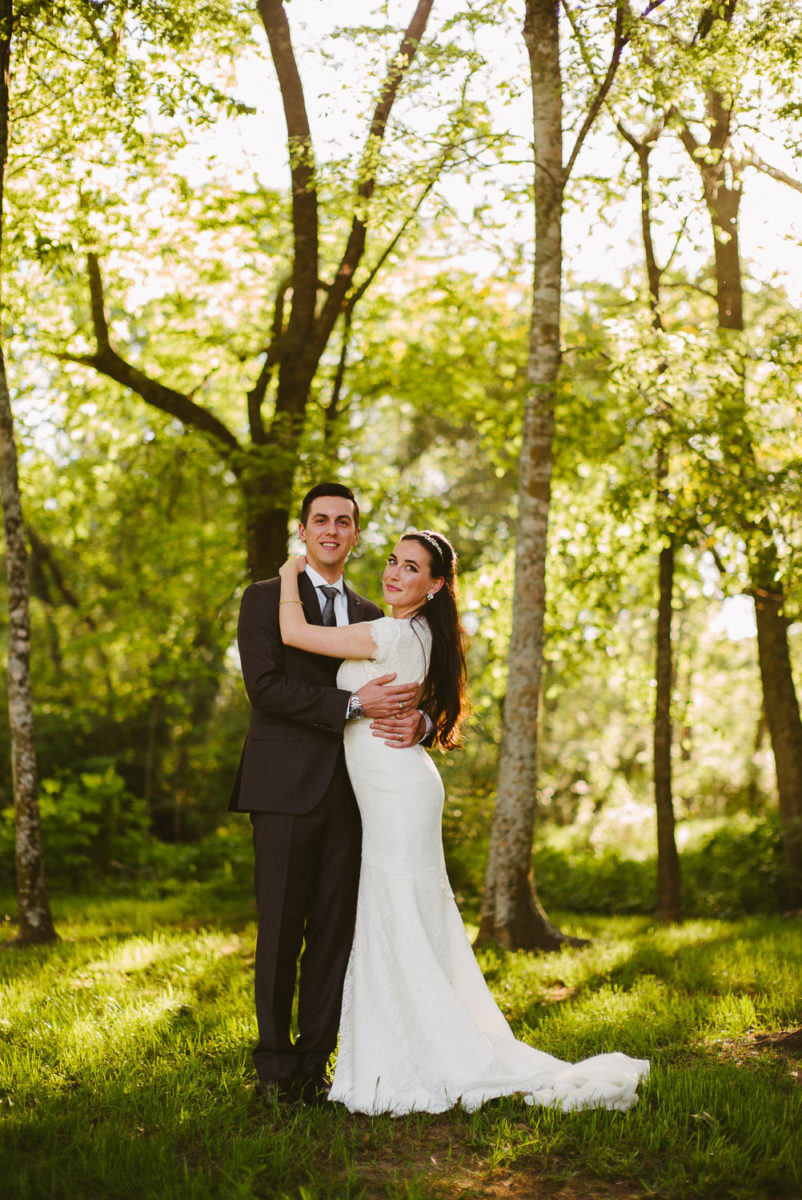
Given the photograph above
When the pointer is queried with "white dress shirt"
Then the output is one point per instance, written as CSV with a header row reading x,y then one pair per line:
x,y
340,601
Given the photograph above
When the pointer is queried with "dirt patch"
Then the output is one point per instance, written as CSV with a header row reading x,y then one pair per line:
x,y
786,1043
438,1157
557,993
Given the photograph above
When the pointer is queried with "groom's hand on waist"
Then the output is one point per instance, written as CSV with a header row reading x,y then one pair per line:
x,y
381,700
403,730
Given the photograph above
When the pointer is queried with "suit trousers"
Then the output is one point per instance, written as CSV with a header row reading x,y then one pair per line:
x,y
306,881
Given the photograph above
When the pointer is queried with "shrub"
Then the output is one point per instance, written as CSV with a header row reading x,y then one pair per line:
x,y
224,858
736,871
594,883
90,824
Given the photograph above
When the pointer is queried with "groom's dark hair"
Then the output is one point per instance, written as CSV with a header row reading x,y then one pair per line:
x,y
328,489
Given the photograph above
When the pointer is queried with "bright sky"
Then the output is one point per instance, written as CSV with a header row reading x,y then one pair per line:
x,y
339,92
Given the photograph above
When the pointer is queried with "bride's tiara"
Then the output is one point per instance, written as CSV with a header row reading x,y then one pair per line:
x,y
427,537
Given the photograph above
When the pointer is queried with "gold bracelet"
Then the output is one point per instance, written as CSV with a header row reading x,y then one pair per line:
x,y
290,602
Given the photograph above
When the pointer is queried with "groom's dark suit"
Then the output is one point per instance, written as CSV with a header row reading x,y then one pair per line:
x,y
306,831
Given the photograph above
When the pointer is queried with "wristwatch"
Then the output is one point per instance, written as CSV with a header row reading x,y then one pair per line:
x,y
355,709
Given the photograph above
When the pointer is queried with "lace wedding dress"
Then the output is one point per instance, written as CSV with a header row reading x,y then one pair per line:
x,y
420,1031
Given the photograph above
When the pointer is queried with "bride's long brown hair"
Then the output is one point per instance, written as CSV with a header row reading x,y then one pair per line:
x,y
443,692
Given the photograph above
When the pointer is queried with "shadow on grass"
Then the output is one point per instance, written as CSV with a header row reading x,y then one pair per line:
x,y
664,991
127,1074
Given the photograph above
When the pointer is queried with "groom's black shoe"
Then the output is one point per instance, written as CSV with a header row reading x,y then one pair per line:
x,y
280,1091
312,1089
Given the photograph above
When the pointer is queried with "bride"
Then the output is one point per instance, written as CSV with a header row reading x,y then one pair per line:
x,y
420,1031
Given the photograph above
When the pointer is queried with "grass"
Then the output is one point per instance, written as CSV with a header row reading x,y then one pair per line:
x,y
125,1068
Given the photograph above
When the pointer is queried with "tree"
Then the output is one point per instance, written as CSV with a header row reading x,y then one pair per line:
x,y
511,912
35,920
721,173
307,305
669,887
698,70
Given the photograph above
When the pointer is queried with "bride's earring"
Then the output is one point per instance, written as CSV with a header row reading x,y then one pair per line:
x,y
430,595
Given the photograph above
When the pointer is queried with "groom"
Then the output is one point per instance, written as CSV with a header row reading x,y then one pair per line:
x,y
293,782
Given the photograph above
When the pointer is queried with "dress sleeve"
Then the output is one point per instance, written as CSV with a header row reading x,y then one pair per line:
x,y
386,633
403,647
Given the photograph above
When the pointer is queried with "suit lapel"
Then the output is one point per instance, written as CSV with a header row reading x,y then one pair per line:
x,y
356,608
308,594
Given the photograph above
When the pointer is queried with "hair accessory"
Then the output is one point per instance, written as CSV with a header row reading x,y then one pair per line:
x,y
427,537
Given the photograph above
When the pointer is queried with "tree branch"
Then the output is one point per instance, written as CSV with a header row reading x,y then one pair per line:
x,y
688,139
712,13
302,164
620,40
621,37
333,406
98,307
108,362
43,553
643,149
675,247
754,160
391,245
333,410
368,167
256,395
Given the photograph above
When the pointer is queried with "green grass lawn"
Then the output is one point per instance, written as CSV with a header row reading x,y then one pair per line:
x,y
125,1068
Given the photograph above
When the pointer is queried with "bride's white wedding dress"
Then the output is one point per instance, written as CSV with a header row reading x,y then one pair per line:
x,y
420,1031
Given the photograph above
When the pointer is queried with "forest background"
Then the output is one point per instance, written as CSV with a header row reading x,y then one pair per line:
x,y
147,202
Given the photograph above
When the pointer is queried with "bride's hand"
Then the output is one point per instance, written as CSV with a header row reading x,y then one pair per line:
x,y
294,565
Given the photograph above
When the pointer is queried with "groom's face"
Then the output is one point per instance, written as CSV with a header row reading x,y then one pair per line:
x,y
329,535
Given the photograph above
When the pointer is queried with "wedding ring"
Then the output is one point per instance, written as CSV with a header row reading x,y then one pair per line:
x,y
401,705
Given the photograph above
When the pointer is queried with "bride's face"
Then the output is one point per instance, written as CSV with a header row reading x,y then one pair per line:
x,y
408,578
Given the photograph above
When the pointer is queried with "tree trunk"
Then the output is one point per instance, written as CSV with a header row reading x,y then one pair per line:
x,y
511,913
35,921
669,895
774,654
785,727
722,192
266,534
669,888
267,495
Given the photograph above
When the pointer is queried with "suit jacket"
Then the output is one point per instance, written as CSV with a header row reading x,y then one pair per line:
x,y
297,710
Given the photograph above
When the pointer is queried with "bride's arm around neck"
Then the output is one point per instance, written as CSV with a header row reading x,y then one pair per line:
x,y
344,641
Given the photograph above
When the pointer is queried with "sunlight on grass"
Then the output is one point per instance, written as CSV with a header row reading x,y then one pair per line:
x,y
732,1016
125,1067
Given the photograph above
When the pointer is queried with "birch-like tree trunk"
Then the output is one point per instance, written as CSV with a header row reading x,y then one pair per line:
x,y
511,914
35,921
